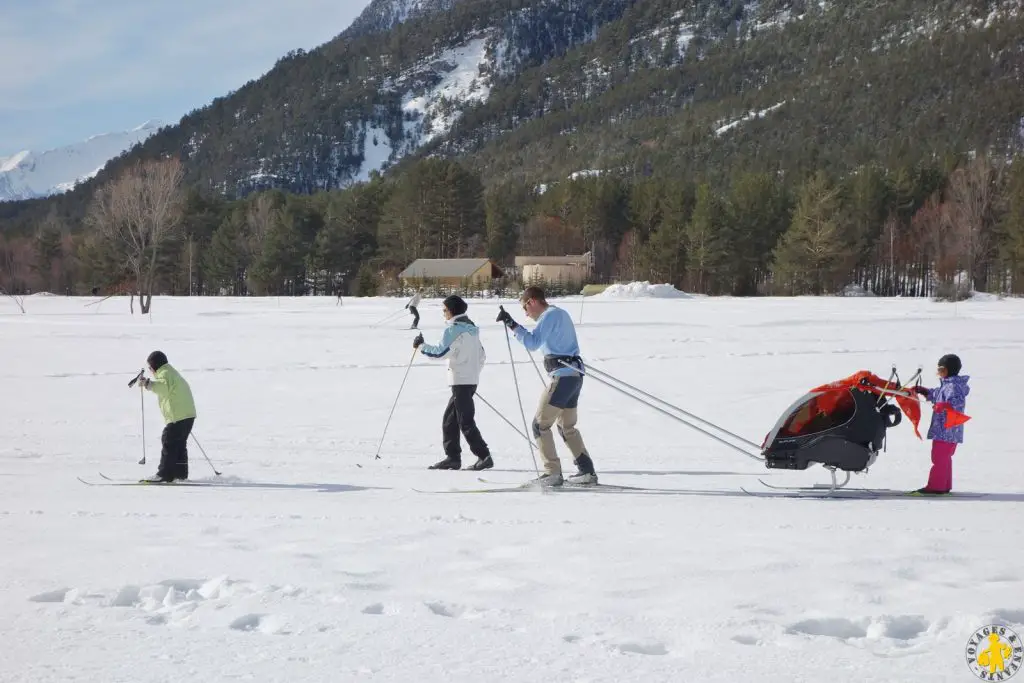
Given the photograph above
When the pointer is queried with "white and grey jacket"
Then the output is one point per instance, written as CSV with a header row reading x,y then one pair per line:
x,y
461,345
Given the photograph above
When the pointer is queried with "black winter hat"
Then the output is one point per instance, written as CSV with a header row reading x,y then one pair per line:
x,y
455,304
952,364
156,360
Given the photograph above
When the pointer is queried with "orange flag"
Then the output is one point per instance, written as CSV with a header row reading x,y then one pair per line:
x,y
954,418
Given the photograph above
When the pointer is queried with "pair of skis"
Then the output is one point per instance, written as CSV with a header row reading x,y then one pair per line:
x,y
824,492
530,486
107,481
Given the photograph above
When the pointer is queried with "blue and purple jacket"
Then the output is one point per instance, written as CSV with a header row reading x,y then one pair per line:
x,y
952,390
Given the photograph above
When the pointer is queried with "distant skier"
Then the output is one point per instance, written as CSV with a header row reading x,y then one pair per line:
x,y
555,335
461,345
944,433
179,412
413,303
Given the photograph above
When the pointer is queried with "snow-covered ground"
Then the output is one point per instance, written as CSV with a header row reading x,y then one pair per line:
x,y
316,562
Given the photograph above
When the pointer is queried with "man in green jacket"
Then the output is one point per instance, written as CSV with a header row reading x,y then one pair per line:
x,y
179,411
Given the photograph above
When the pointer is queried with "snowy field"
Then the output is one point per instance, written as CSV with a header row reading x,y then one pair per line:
x,y
314,562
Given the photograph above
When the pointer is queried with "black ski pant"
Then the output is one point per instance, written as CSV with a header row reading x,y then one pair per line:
x,y
415,316
174,451
460,416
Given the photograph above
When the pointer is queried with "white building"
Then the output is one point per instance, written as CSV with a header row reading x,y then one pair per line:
x,y
571,268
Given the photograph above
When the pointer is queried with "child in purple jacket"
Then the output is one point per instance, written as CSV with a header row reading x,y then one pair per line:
x,y
950,394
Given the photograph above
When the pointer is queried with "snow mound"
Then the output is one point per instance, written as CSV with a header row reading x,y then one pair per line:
x,y
642,290
984,296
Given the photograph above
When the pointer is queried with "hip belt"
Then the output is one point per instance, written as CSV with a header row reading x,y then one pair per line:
x,y
552,363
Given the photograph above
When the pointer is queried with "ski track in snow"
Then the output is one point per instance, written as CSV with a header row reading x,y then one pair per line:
x,y
303,566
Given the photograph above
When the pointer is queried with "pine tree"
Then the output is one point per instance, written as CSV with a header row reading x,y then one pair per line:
x,y
663,257
866,204
49,252
506,208
277,268
705,243
227,257
756,213
1011,232
813,257
645,207
348,236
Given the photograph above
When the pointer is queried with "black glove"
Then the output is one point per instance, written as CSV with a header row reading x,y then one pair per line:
x,y
504,317
407,305
920,390
417,341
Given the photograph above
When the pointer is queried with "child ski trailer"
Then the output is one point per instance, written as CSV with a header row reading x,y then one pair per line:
x,y
555,335
179,412
461,345
947,427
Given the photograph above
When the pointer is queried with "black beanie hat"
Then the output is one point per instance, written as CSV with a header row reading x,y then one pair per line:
x,y
156,360
455,305
952,364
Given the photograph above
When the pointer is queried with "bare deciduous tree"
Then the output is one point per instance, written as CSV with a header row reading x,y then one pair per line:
x,y
138,214
971,196
549,236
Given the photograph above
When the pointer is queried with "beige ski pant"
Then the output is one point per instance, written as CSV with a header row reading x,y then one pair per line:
x,y
558,405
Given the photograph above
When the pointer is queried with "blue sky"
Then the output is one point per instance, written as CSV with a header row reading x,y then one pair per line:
x,y
75,68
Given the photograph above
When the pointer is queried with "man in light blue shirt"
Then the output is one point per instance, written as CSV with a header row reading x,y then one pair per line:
x,y
555,336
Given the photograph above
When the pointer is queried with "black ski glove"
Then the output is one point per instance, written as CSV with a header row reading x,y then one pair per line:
x,y
504,317
417,341
407,305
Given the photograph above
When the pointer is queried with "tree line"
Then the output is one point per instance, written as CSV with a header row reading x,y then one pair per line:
x,y
913,231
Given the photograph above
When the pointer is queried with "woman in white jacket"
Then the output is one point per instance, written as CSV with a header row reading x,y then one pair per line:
x,y
461,345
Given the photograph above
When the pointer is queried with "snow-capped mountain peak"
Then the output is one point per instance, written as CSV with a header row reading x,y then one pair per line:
x,y
383,15
29,174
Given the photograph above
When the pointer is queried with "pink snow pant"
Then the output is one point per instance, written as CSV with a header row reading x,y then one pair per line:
x,y
941,476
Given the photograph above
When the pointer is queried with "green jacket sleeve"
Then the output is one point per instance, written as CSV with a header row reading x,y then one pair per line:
x,y
158,385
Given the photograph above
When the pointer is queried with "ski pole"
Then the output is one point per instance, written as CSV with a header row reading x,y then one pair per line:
x,y
507,421
203,451
142,404
388,423
540,375
388,317
142,401
673,416
515,379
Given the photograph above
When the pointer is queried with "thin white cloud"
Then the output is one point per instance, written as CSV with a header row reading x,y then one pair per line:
x,y
59,54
